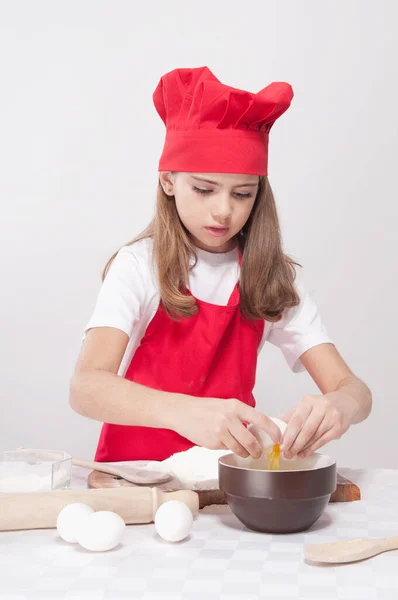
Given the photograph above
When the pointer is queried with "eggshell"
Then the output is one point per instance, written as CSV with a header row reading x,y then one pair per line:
x,y
281,424
101,531
262,436
173,521
70,518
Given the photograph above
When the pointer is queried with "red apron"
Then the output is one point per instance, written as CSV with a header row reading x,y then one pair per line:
x,y
212,354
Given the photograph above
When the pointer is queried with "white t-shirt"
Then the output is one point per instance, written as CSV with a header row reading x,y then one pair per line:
x,y
129,298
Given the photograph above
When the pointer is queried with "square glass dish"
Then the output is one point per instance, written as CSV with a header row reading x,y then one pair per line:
x,y
34,470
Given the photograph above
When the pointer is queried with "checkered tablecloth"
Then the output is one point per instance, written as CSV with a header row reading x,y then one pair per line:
x,y
221,560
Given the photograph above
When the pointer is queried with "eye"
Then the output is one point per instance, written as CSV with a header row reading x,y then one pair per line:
x,y
238,195
207,191
201,191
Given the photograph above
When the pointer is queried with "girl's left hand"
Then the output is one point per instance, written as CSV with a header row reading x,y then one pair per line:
x,y
315,421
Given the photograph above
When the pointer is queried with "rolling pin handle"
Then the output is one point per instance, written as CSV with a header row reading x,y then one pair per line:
x,y
188,497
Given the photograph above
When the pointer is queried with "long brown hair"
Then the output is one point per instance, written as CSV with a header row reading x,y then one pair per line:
x,y
267,275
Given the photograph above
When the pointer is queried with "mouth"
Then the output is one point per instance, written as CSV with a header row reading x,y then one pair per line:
x,y
217,231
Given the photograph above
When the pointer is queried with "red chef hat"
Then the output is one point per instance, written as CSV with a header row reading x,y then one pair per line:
x,y
214,128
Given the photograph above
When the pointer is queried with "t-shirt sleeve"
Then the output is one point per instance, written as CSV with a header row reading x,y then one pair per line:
x,y
122,294
300,329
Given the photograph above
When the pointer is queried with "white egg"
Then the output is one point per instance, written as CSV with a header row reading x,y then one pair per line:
x,y
101,531
281,424
173,521
70,519
262,436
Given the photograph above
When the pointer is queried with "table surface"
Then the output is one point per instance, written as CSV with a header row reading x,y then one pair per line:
x,y
221,560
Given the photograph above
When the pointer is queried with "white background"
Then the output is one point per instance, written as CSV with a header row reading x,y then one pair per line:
x,y
79,147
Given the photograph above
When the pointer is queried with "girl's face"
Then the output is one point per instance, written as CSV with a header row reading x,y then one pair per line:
x,y
212,207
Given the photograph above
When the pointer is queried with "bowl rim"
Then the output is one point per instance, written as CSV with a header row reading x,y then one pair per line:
x,y
331,462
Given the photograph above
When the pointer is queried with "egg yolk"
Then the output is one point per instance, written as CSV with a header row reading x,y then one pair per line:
x,y
272,458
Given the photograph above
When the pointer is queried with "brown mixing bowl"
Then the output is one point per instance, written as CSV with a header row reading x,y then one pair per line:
x,y
284,501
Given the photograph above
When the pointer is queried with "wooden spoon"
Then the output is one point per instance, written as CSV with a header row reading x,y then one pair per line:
x,y
350,550
137,475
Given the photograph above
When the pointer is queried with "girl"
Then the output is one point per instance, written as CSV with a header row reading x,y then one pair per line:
x,y
169,355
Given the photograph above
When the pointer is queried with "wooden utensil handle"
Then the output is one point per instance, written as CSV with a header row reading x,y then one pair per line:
x,y
39,510
390,543
89,464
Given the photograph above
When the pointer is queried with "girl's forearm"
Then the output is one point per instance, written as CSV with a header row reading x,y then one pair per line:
x,y
357,399
209,422
106,397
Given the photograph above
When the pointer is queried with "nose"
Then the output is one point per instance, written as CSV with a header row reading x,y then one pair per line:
x,y
221,209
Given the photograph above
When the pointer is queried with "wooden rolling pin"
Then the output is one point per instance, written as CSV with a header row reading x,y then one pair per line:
x,y
39,510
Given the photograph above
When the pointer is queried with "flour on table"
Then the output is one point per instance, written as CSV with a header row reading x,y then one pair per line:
x,y
196,468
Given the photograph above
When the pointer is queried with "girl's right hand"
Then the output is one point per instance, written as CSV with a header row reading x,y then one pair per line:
x,y
219,424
